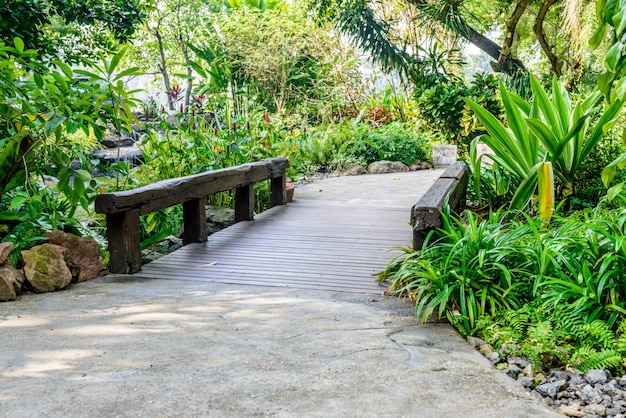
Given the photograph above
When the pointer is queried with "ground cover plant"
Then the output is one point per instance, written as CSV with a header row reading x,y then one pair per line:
x,y
479,272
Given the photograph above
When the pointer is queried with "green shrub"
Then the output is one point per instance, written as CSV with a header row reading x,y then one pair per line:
x,y
393,142
480,267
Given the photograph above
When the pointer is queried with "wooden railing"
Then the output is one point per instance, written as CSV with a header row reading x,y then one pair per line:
x,y
451,187
123,209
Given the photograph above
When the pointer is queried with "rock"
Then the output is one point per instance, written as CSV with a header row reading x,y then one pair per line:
x,y
590,395
353,170
556,374
527,382
619,407
14,276
7,291
507,349
486,349
596,376
475,342
513,371
570,411
382,167
551,389
85,253
595,409
114,141
493,357
45,267
577,382
218,218
520,362
5,250
426,165
414,167
528,371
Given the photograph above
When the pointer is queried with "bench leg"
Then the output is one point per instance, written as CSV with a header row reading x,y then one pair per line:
x,y
194,219
418,238
244,203
124,235
278,191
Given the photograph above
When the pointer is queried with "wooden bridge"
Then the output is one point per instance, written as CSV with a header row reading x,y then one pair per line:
x,y
336,235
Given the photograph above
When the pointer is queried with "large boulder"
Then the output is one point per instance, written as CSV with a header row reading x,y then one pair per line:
x,y
7,291
353,170
85,253
218,218
46,269
5,250
15,277
382,167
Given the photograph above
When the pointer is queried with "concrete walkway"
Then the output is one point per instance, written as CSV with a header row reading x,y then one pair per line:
x,y
119,347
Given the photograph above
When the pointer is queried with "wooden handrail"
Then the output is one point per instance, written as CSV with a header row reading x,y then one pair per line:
x,y
123,209
451,186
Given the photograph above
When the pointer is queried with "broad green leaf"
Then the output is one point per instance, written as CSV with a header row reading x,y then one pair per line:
x,y
197,68
38,80
19,44
619,21
67,70
613,56
60,79
115,60
52,124
614,191
83,174
17,201
92,76
598,36
133,71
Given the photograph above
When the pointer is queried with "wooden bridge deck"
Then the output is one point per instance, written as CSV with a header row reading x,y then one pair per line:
x,y
312,244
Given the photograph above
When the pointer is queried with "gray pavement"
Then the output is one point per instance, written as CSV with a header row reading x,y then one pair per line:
x,y
392,190
119,347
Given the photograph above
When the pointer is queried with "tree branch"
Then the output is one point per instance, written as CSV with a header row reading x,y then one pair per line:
x,y
555,63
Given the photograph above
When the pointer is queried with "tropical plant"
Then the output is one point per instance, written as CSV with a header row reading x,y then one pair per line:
x,y
51,121
547,129
463,271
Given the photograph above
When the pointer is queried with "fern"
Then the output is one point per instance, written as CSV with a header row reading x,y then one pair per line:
x,y
598,335
587,358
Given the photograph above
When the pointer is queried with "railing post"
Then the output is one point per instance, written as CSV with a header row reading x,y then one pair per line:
x,y
194,220
124,235
244,203
278,190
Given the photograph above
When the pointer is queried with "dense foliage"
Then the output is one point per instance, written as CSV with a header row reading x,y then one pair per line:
x,y
244,80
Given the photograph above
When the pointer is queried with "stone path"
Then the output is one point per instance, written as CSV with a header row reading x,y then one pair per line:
x,y
163,348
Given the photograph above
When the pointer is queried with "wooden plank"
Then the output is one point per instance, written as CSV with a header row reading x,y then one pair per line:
x,y
298,245
170,192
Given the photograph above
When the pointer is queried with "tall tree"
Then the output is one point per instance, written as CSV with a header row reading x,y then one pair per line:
x,y
361,22
46,25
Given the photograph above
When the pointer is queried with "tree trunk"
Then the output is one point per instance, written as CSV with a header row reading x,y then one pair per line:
x,y
505,62
163,68
555,63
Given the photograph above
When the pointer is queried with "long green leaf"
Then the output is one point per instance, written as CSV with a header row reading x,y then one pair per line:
x,y
526,189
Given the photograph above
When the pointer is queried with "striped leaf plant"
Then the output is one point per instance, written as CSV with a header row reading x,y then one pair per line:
x,y
548,129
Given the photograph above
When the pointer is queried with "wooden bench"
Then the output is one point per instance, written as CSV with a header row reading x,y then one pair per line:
x,y
123,209
450,188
